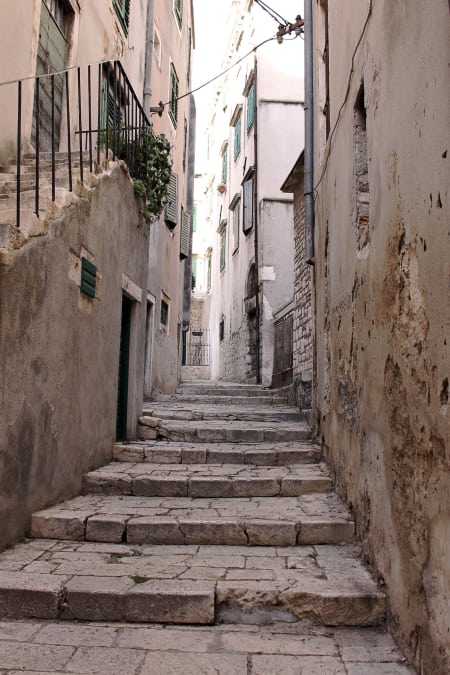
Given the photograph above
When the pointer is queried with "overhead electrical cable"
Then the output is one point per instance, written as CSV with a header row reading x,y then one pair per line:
x,y
216,77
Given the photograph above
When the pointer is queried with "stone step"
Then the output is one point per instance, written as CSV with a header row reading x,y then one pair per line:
x,y
191,584
204,481
220,399
209,388
153,428
257,454
317,518
204,411
230,649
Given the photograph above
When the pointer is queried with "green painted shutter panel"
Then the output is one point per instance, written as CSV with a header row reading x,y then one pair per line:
x,y
122,8
251,107
88,277
171,209
248,205
185,235
237,138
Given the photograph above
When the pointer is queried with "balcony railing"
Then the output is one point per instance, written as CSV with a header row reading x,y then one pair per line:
x,y
90,115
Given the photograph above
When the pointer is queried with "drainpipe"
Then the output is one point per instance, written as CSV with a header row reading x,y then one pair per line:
x,y
255,216
148,56
309,136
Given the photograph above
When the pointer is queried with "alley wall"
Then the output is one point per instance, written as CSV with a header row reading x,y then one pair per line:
x,y
382,304
60,348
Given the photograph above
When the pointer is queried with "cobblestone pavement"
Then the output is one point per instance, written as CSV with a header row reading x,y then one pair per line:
x,y
120,649
214,544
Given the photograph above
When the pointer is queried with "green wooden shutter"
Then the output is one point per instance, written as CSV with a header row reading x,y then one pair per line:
x,y
88,278
250,107
237,138
185,235
171,210
122,8
248,205
173,103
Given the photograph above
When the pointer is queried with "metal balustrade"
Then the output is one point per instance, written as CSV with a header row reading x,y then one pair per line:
x,y
63,132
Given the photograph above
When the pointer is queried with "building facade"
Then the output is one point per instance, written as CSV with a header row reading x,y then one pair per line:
x,y
80,296
381,296
255,129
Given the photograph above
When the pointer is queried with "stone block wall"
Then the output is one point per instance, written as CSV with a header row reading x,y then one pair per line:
x,y
303,335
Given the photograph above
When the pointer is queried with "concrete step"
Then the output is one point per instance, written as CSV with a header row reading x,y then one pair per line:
x,y
191,584
204,481
204,411
153,428
317,518
257,454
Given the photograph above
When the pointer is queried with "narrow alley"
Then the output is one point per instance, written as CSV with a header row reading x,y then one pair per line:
x,y
224,320
225,530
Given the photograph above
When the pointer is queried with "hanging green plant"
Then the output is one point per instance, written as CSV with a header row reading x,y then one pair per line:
x,y
148,157
151,172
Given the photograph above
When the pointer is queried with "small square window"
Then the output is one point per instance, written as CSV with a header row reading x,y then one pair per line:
x,y
164,319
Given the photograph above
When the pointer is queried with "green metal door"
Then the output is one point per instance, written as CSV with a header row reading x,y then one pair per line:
x,y
124,358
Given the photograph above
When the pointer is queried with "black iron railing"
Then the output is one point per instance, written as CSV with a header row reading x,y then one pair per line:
x,y
64,107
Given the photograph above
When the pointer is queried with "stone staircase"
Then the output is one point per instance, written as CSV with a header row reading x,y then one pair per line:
x,y
31,225
222,513
240,487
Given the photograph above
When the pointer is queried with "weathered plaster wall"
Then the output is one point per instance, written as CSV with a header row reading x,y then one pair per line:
x,y
60,350
383,306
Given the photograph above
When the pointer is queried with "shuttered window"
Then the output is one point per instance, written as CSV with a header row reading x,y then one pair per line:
x,y
247,216
223,248
237,138
185,235
224,165
88,278
171,209
173,95
122,8
178,11
251,107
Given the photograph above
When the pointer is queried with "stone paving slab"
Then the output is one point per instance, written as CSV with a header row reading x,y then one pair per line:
x,y
318,518
258,454
191,584
54,647
206,480
230,431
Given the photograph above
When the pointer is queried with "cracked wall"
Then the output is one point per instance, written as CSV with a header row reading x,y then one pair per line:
x,y
382,308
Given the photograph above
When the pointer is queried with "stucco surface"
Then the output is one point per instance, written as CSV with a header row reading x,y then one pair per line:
x,y
382,312
60,350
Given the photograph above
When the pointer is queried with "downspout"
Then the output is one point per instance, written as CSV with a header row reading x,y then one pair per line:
x,y
148,56
309,136
255,215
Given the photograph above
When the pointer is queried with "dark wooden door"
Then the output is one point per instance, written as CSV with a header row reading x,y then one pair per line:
x,y
124,359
